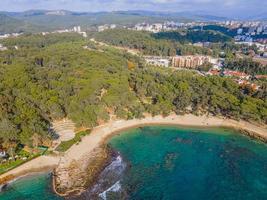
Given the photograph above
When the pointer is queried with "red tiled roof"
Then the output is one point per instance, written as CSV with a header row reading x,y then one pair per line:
x,y
234,73
261,76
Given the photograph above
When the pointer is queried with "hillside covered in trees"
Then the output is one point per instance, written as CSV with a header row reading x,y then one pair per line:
x,y
11,25
192,36
163,44
172,43
246,65
54,76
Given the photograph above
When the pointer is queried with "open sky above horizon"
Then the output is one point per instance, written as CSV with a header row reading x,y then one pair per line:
x,y
233,8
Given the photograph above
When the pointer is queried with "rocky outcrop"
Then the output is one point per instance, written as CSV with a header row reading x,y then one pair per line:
x,y
74,176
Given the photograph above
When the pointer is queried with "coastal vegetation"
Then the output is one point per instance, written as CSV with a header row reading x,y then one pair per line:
x,y
65,145
21,158
52,77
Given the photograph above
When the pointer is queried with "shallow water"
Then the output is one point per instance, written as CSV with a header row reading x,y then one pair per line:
x,y
171,163
33,187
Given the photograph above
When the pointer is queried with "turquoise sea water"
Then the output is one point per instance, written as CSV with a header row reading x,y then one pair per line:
x,y
171,163
33,187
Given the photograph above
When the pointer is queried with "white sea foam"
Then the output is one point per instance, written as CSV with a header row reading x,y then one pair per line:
x,y
117,165
109,179
114,188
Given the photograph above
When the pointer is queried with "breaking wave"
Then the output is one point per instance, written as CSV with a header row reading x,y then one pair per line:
x,y
114,188
109,180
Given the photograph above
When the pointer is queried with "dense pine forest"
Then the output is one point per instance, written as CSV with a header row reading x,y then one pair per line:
x,y
51,77
174,42
152,44
246,65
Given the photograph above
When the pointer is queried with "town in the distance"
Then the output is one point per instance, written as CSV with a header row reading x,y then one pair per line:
x,y
249,36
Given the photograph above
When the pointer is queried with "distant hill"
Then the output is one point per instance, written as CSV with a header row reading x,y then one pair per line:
x,y
47,20
10,25
51,20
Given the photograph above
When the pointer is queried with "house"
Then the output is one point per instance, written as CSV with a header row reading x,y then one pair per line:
x,y
261,76
230,73
244,83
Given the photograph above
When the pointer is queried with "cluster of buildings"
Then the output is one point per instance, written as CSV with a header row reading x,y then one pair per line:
x,y
75,29
106,27
251,32
155,28
231,73
188,62
193,62
165,26
9,35
241,78
236,24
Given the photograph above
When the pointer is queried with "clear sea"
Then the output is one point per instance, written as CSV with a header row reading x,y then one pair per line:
x,y
170,163
32,187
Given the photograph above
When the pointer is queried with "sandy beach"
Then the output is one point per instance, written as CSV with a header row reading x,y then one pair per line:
x,y
40,164
71,169
100,133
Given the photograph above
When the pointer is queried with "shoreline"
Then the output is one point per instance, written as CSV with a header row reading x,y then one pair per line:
x,y
33,173
71,171
37,165
83,153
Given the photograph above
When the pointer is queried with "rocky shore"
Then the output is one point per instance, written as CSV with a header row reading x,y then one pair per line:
x,y
83,172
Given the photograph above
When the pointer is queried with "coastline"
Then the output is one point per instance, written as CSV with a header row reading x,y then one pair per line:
x,y
79,157
37,165
80,165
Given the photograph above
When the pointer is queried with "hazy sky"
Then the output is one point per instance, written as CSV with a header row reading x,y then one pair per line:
x,y
219,7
